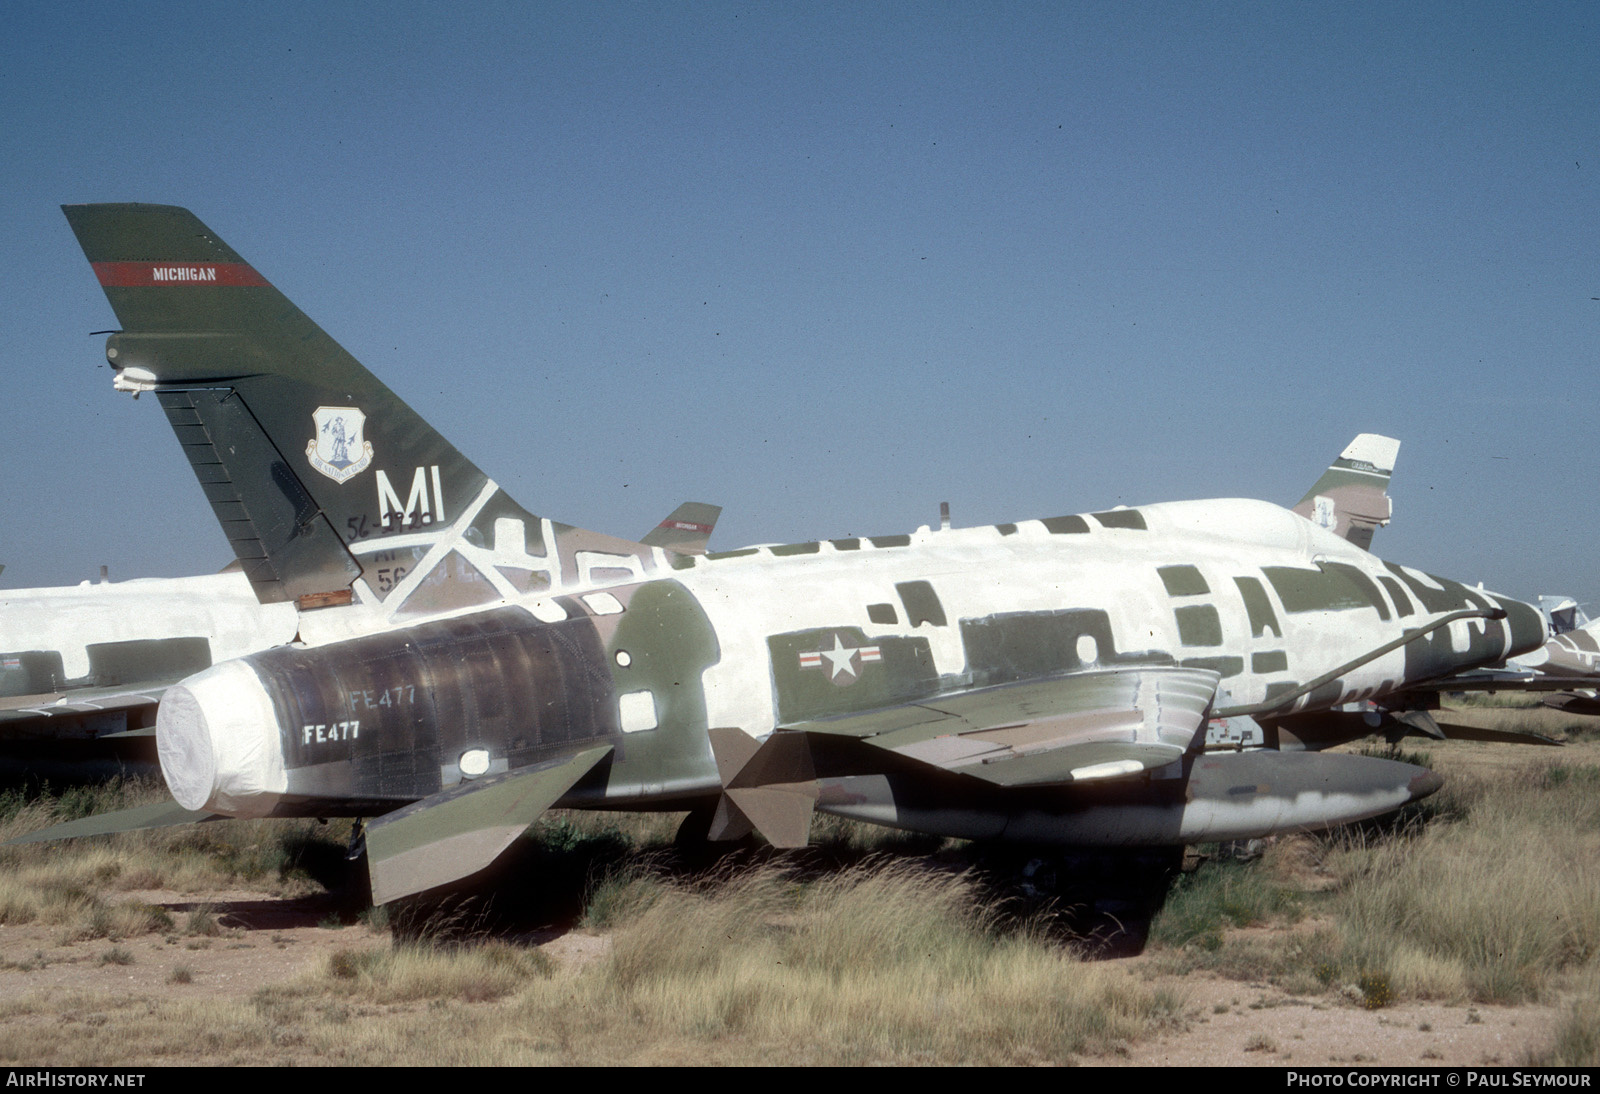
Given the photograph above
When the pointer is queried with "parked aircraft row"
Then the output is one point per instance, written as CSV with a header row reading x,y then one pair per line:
x,y
1567,666
88,663
456,664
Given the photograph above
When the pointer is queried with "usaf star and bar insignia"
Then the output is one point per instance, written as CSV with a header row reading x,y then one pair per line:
x,y
842,663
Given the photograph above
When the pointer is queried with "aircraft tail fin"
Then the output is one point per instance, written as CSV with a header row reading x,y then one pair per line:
x,y
1351,498
326,483
687,529
1562,614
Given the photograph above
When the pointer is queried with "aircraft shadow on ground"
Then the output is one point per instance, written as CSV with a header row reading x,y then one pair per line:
x,y
1099,903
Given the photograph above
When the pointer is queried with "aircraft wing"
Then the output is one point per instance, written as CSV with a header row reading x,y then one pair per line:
x,y
1090,725
20,711
1511,680
1572,693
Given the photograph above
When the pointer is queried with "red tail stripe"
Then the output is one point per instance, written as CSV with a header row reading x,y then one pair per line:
x,y
127,275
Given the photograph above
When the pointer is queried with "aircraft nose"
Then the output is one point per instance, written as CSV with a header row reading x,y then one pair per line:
x,y
218,740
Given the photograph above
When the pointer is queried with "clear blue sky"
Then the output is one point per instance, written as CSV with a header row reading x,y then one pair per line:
x,y
830,264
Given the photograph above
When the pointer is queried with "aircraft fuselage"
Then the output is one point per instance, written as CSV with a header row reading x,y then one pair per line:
x,y
775,636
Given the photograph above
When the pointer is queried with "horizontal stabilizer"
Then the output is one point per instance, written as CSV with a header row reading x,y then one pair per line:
x,y
160,815
1351,498
457,832
1087,726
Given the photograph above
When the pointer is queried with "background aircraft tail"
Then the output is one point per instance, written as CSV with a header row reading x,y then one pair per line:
x,y
321,476
1562,614
687,528
1351,499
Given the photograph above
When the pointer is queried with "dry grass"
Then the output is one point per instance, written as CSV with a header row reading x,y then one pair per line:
x,y
405,973
851,959
872,964
1577,1040
76,885
1489,892
1494,907
567,828
882,963
1497,700
891,960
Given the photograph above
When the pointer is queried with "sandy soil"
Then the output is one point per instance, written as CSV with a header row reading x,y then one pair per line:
x,y
1236,1024
265,940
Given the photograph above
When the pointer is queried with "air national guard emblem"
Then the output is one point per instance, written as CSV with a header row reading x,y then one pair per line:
x,y
842,663
338,449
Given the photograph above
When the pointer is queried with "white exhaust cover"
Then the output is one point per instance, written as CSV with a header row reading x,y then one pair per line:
x,y
220,747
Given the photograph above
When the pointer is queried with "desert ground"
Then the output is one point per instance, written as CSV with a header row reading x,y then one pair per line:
x,y
1465,931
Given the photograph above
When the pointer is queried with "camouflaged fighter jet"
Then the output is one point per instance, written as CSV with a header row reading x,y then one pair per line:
x,y
82,667
1568,665
1132,677
1573,652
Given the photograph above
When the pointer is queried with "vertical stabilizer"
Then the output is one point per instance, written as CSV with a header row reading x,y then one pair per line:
x,y
1562,614
1351,499
687,529
325,482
